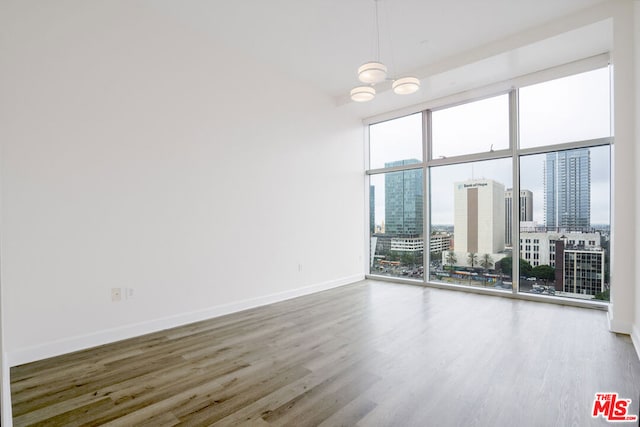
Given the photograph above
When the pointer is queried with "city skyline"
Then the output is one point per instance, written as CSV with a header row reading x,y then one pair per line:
x,y
531,178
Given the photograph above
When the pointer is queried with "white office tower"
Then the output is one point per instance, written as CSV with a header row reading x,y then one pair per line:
x,y
479,216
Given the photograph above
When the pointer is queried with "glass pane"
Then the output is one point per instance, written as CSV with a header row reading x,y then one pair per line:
x,y
396,224
395,140
468,212
565,246
574,108
476,127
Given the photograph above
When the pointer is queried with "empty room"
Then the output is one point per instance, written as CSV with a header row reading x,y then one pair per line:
x,y
336,213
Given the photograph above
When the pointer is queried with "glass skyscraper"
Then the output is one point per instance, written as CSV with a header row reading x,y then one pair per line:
x,y
403,200
372,209
567,189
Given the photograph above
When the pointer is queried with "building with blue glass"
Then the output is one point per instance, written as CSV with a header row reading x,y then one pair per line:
x,y
403,200
567,189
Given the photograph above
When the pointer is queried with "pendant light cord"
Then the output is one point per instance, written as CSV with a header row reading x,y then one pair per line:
x,y
377,32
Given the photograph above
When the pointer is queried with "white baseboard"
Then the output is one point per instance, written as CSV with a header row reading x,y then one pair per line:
x,y
6,419
618,326
68,345
625,328
635,338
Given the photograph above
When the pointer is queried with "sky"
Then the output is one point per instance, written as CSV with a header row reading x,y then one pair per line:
x,y
570,109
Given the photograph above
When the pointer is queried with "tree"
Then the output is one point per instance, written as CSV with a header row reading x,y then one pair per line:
x,y
451,259
506,266
603,296
486,261
407,258
544,272
525,268
473,259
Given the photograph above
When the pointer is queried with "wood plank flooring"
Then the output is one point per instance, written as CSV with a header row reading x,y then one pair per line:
x,y
367,354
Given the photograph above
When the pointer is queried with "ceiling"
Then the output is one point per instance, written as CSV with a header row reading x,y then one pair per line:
x,y
322,42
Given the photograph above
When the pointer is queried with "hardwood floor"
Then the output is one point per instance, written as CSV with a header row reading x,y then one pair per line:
x,y
367,354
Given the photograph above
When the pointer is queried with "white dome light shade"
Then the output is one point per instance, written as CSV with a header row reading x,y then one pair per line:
x,y
363,93
372,72
406,85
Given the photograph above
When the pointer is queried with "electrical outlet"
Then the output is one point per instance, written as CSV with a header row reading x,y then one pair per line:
x,y
128,293
116,294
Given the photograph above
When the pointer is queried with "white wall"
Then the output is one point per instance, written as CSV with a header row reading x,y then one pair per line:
x,y
137,154
636,325
5,386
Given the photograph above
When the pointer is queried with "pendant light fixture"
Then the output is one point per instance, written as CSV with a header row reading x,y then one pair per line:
x,y
363,93
374,72
406,85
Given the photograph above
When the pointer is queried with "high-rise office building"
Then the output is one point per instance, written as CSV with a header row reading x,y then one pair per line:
x,y
403,200
372,209
567,189
440,242
526,211
579,270
479,216
539,248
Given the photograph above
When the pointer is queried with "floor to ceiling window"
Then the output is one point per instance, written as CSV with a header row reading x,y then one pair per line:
x,y
520,175
467,205
396,198
564,239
